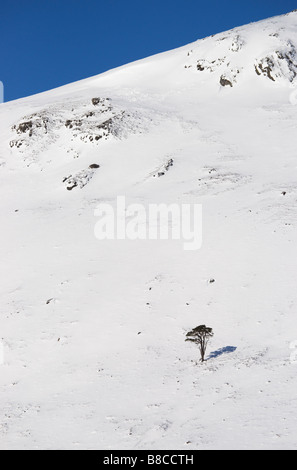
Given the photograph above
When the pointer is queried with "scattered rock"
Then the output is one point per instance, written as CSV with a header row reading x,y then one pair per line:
x,y
257,71
95,101
76,123
69,188
165,168
265,67
225,82
24,127
80,179
200,67
169,164
103,121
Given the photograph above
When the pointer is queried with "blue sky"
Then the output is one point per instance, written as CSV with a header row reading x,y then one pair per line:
x,y
48,43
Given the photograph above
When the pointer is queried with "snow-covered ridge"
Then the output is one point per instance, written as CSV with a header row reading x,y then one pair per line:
x,y
255,55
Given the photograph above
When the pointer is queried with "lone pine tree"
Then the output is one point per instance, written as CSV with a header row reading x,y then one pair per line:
x,y
200,335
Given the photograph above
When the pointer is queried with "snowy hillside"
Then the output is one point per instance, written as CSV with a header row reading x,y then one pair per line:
x,y
93,332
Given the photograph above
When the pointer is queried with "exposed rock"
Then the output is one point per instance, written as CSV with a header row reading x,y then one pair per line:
x,y
169,164
225,82
96,101
76,123
164,168
80,179
280,64
69,188
23,127
265,67
39,130
203,64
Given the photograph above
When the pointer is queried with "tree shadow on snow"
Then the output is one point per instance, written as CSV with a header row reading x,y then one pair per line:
x,y
219,352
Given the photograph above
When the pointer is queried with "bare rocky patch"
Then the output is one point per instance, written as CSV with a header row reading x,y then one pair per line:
x,y
79,179
88,121
280,64
162,170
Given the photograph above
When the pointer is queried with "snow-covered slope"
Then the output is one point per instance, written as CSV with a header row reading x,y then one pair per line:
x,y
93,332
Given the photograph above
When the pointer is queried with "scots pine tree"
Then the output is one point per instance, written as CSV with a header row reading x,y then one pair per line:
x,y
200,335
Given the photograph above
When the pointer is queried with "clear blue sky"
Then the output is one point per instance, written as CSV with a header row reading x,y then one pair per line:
x,y
48,43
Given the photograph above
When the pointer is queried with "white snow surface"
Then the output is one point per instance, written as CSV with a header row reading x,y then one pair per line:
x,y
93,332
